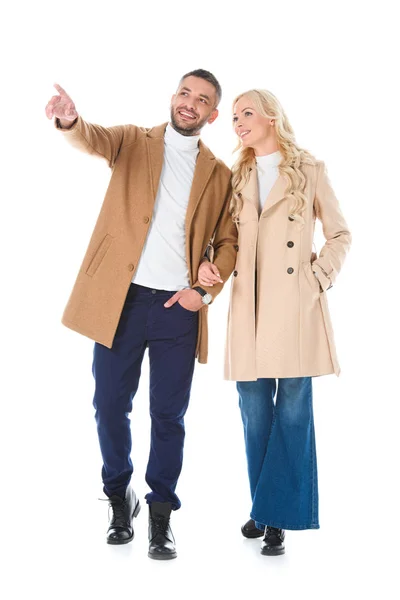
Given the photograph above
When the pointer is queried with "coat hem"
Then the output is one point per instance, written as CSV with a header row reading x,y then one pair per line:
x,y
201,357
86,332
275,375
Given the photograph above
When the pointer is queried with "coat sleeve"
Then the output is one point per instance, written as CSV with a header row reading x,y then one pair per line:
x,y
104,142
338,237
225,247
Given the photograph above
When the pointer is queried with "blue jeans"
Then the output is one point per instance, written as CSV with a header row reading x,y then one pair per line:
x,y
170,334
280,448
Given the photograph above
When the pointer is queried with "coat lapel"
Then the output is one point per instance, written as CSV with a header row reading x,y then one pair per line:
x,y
250,191
204,167
155,145
276,194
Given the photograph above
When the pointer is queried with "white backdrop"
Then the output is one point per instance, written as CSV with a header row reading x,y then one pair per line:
x,y
333,67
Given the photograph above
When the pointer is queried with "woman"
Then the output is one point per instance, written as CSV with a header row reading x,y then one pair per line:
x,y
279,332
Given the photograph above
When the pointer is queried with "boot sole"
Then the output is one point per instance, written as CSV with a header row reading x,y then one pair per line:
x,y
121,542
253,536
273,552
162,556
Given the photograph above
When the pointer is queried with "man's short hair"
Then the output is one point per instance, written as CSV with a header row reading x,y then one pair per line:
x,y
207,76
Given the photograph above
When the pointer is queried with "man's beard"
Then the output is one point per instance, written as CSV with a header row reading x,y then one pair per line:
x,y
187,130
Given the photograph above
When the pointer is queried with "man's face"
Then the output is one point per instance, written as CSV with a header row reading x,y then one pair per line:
x,y
193,105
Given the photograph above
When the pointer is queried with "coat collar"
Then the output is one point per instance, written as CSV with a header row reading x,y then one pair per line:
x,y
277,193
158,133
204,167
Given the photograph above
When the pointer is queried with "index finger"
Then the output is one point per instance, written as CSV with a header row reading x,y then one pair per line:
x,y
61,90
172,300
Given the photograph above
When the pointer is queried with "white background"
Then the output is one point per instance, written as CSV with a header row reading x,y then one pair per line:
x,y
333,67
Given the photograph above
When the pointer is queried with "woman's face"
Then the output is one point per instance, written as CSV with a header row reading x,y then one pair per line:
x,y
252,128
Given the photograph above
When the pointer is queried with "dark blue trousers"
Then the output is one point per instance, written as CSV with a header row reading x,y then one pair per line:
x,y
170,335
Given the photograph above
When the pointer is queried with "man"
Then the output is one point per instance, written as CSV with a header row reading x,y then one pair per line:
x,y
137,287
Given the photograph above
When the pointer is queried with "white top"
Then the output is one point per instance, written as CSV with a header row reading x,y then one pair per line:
x,y
162,265
267,174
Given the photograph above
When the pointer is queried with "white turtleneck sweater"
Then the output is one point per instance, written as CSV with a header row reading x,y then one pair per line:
x,y
162,265
267,174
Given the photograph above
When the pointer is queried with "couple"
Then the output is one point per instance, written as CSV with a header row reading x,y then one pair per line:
x,y
148,277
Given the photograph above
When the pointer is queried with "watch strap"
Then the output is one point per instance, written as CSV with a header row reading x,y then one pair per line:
x,y
200,290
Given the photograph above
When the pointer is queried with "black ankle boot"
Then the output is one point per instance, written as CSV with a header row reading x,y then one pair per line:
x,y
161,539
249,530
120,530
272,544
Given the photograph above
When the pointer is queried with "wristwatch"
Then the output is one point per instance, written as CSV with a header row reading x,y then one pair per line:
x,y
205,296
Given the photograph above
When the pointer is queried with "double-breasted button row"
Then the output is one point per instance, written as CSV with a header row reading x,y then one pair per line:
x,y
146,219
236,247
235,273
290,244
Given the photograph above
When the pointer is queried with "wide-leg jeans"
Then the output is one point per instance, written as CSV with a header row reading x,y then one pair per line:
x,y
280,448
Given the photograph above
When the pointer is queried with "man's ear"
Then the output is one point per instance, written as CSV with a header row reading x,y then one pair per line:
x,y
213,116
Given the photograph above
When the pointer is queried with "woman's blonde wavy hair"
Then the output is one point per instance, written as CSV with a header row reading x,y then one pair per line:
x,y
293,157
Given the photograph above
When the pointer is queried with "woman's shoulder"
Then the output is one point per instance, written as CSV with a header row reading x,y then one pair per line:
x,y
313,165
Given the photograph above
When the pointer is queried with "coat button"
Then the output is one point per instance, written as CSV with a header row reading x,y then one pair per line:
x,y
236,247
146,219
131,267
290,218
290,244
290,270
235,273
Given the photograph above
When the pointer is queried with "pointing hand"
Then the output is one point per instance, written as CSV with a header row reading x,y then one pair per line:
x,y
61,106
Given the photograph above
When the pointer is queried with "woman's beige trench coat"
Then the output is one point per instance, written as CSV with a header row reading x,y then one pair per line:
x,y
278,323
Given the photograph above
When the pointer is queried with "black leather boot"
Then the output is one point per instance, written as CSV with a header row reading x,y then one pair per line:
x,y
249,530
161,539
120,530
272,544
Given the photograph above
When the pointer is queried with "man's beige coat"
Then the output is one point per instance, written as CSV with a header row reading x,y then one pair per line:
x,y
279,324
135,156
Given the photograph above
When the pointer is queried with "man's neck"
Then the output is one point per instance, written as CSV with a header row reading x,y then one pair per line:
x,y
184,132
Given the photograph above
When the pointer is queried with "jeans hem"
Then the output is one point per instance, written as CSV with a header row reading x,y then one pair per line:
x,y
282,525
158,498
119,491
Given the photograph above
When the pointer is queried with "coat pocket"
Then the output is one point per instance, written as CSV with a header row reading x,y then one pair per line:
x,y
311,278
99,255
